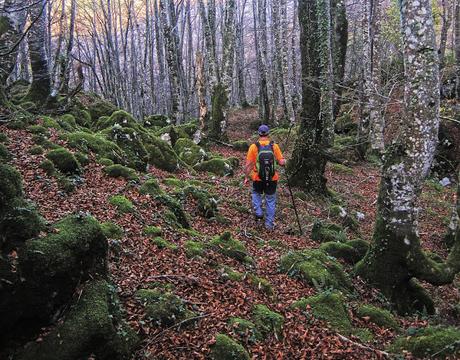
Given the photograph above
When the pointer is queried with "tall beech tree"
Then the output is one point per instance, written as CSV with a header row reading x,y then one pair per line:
x,y
396,262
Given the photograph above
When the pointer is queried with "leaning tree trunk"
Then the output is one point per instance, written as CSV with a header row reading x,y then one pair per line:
x,y
306,168
11,23
395,261
40,89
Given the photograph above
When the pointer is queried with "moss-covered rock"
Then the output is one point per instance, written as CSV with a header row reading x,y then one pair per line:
x,y
96,143
315,268
361,246
67,122
225,348
341,251
344,124
228,273
189,152
5,155
245,329
163,243
10,184
345,218
176,208
4,138
105,162
152,230
93,326
118,170
36,150
157,120
150,187
378,316
48,167
241,145
112,230
161,154
82,159
194,248
64,161
119,118
215,166
228,246
328,306
38,130
437,342
123,204
261,284
324,232
267,322
164,308
50,123
101,108
206,202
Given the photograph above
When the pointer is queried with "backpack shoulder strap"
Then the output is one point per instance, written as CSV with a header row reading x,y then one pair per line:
x,y
258,145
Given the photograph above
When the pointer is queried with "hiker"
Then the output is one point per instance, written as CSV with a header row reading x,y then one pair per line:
x,y
261,169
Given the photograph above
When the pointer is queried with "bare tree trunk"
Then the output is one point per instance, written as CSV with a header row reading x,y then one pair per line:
x,y
40,89
287,85
65,71
446,17
395,262
457,46
339,48
240,64
201,90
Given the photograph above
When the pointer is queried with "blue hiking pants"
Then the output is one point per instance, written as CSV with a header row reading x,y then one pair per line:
x,y
259,189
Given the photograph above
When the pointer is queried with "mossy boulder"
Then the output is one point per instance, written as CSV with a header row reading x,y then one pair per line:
x,y
245,329
118,170
378,316
48,167
194,248
324,232
105,162
228,273
36,150
122,203
344,216
82,159
176,208
267,321
261,284
433,342
206,202
152,230
189,152
225,348
96,143
360,245
93,326
157,120
241,145
164,308
328,306
82,116
161,155
344,124
315,268
151,187
215,166
50,123
112,230
341,251
163,243
119,118
38,130
100,108
5,155
10,184
64,161
228,246
67,122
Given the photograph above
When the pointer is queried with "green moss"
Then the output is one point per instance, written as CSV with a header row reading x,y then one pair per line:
x,y
226,245
4,25
38,129
176,208
92,326
174,182
50,123
150,187
380,317
189,152
48,167
36,150
225,348
261,284
4,153
241,145
328,306
442,341
28,105
339,168
163,244
245,329
99,108
206,202
122,204
315,268
112,231
365,335
118,170
164,308
194,248
152,230
361,246
10,184
64,161
341,251
67,122
4,138
161,155
157,120
215,166
267,322
105,162
96,143
119,118
229,273
324,232
82,116
82,159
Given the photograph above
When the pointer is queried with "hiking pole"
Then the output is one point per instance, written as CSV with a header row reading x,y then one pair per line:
x,y
289,185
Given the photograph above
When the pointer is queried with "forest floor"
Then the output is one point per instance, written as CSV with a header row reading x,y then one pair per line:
x,y
200,281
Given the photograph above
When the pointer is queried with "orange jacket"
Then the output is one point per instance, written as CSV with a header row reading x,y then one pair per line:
x,y
251,159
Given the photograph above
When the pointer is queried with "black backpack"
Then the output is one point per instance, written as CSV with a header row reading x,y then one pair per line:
x,y
265,161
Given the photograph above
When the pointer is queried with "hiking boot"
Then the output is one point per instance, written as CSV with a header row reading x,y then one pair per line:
x,y
258,218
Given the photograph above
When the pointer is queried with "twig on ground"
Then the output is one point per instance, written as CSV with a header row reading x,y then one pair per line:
x,y
380,352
